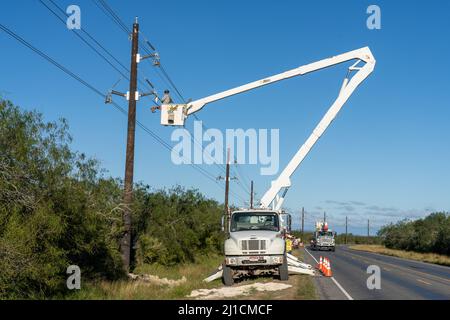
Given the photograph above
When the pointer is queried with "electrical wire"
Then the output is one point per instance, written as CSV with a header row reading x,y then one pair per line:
x,y
85,32
107,10
98,92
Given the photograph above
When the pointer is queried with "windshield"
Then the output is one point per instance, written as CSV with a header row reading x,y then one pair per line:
x,y
325,234
245,221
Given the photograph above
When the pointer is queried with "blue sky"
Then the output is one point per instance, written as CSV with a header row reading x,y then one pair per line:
x,y
386,157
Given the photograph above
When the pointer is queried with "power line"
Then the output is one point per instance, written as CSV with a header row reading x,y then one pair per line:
x,y
110,12
238,182
241,176
84,40
98,92
94,40
84,31
107,10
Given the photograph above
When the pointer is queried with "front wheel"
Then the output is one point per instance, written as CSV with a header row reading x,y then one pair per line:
x,y
227,276
283,270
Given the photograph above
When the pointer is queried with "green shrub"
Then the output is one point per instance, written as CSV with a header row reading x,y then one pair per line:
x,y
430,234
57,210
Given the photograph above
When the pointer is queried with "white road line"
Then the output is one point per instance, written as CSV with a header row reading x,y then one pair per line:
x,y
349,297
311,255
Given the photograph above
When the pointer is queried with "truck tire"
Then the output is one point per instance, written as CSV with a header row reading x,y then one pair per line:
x,y
227,276
283,270
333,249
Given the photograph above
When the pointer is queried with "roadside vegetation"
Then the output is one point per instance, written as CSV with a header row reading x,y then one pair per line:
x,y
59,208
424,257
124,289
426,239
428,235
302,286
341,238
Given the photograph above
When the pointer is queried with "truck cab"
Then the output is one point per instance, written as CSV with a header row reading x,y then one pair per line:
x,y
323,240
255,246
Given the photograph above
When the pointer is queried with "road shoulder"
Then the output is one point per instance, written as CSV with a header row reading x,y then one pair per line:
x,y
326,288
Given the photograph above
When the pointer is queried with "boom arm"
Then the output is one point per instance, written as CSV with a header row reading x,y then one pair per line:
x,y
348,87
176,114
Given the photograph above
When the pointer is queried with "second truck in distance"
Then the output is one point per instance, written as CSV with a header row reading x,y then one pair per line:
x,y
323,238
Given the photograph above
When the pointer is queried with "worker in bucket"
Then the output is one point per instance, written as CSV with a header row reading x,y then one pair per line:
x,y
166,99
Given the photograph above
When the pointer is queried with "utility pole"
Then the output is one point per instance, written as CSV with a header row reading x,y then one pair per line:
x,y
251,195
324,217
125,245
368,229
227,190
346,224
303,224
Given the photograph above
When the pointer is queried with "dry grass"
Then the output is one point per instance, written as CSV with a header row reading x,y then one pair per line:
x,y
424,257
303,286
138,290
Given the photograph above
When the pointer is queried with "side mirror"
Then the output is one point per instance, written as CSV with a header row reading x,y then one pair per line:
x,y
223,223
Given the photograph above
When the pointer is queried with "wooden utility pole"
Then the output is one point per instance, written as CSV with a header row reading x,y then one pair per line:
x,y
346,224
125,245
368,228
227,191
251,195
324,217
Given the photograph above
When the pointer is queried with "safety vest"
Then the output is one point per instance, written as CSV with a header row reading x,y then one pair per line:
x,y
288,245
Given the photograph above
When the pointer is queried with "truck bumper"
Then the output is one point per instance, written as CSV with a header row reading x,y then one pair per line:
x,y
256,260
325,247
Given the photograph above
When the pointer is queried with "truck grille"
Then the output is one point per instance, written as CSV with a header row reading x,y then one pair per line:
x,y
253,245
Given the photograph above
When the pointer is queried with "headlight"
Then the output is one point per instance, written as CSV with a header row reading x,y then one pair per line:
x,y
230,261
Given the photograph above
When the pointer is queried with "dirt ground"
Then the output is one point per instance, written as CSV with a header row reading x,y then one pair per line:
x,y
298,287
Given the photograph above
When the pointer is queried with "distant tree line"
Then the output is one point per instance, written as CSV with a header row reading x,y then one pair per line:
x,y
341,238
57,208
430,234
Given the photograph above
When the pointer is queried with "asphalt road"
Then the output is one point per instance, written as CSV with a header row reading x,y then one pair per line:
x,y
400,278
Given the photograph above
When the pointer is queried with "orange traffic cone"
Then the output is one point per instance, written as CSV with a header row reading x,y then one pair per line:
x,y
328,272
320,265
